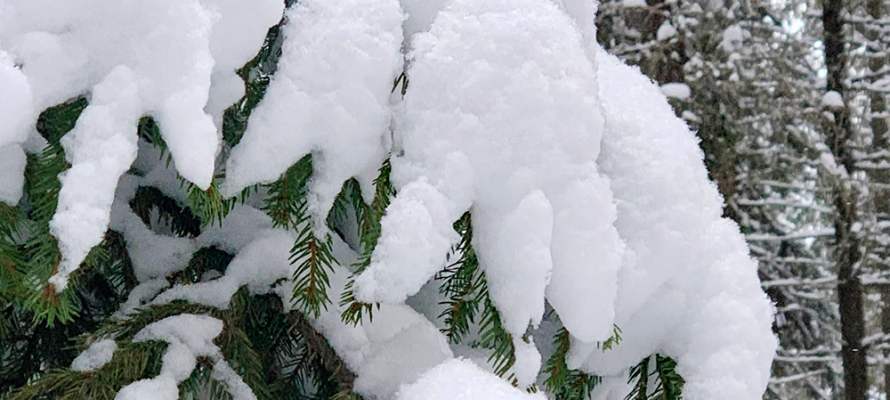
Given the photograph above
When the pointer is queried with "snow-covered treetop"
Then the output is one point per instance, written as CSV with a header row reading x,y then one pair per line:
x,y
587,194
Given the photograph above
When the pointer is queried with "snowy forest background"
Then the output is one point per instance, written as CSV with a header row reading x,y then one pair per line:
x,y
789,102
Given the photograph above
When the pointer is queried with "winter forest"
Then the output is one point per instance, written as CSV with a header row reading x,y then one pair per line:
x,y
444,199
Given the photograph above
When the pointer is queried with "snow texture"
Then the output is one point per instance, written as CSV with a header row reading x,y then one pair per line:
x,y
679,91
170,59
501,116
330,98
462,379
688,288
95,356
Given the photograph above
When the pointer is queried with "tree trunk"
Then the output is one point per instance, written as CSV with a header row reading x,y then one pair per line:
x,y
879,128
847,252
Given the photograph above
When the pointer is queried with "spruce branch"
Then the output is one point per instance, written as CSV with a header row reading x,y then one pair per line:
x,y
562,382
462,284
369,232
181,220
467,289
314,261
659,383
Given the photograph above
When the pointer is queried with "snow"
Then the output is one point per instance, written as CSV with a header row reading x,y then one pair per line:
x,y
733,38
393,349
95,356
493,121
16,112
461,379
224,373
513,255
832,99
634,3
330,98
188,336
665,31
166,58
688,288
678,91
258,265
12,173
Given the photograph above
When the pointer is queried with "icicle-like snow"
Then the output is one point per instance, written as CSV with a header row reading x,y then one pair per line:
x,y
501,116
329,97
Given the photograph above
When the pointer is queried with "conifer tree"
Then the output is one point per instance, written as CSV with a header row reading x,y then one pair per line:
x,y
207,284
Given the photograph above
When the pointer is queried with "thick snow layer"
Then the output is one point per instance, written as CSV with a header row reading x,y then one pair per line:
x,y
501,116
462,379
165,58
95,356
329,97
688,288
676,90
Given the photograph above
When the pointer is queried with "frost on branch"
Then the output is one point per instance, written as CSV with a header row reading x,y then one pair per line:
x,y
329,97
164,58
